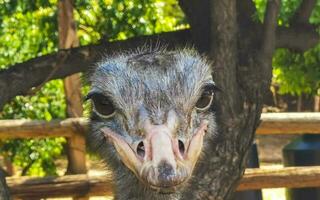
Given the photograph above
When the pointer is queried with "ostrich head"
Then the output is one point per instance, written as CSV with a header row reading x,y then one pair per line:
x,y
151,116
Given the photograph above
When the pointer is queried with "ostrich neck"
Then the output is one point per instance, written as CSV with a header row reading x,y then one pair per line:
x,y
128,187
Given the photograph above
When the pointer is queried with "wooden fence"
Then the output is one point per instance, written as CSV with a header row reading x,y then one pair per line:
x,y
84,185
70,185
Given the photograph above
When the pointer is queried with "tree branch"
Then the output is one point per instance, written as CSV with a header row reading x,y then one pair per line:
x,y
269,28
297,38
246,10
198,17
300,36
303,13
20,78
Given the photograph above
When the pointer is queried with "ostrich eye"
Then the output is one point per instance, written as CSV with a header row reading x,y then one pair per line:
x,y
102,105
205,100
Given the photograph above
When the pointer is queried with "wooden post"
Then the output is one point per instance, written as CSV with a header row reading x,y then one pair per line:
x,y
299,103
317,102
72,85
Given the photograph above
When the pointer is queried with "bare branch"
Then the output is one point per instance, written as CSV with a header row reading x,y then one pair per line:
x,y
267,44
300,36
303,13
198,17
20,78
246,11
297,38
269,28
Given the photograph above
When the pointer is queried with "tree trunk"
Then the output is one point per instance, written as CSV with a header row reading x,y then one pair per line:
x,y
317,103
4,190
299,103
242,68
72,85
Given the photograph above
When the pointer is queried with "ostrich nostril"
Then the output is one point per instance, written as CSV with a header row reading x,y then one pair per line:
x,y
181,147
140,149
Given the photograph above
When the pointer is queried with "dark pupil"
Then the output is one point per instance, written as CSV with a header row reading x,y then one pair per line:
x,y
204,100
103,105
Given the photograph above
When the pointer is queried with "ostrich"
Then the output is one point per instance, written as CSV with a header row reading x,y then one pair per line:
x,y
152,115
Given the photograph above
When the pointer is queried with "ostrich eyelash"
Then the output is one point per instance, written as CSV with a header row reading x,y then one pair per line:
x,y
212,87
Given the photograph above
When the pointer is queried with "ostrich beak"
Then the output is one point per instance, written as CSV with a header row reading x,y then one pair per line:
x,y
126,153
163,165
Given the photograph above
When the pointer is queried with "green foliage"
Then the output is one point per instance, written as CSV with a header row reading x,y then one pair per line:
x,y
37,156
261,7
294,73
315,17
297,73
47,104
287,9
34,157
36,35
122,19
29,29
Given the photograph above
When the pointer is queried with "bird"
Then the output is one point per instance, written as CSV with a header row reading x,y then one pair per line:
x,y
152,115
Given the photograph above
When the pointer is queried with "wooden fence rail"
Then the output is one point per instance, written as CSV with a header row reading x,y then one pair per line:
x,y
271,123
84,185
289,177
81,185
289,123
56,187
10,129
